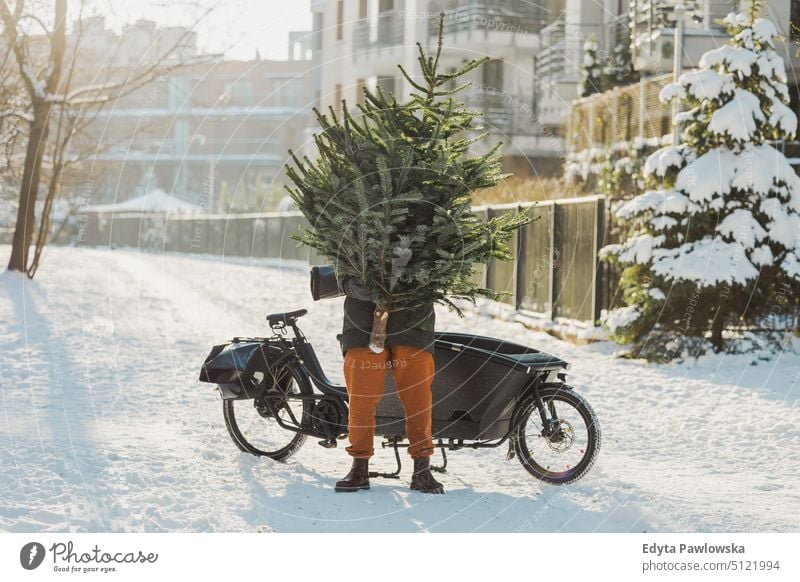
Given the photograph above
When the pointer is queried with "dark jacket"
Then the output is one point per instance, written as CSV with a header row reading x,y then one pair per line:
x,y
410,327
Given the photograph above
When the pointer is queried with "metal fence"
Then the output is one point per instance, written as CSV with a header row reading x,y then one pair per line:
x,y
554,273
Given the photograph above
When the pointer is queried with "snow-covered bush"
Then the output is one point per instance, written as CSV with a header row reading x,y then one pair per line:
x,y
715,242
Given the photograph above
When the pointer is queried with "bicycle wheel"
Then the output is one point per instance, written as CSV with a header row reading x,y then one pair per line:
x,y
255,430
569,450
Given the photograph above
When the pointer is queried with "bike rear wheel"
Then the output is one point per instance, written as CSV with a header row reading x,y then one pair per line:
x,y
566,452
255,430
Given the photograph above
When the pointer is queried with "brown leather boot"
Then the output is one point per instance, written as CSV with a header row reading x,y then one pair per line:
x,y
357,478
422,479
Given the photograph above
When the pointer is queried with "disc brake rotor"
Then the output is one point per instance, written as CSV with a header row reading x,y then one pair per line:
x,y
562,438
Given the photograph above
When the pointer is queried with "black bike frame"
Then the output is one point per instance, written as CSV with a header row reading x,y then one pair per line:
x,y
299,353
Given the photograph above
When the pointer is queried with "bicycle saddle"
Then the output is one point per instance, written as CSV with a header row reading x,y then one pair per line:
x,y
288,318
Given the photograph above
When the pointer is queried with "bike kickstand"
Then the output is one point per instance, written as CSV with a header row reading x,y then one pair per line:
x,y
396,474
510,454
443,467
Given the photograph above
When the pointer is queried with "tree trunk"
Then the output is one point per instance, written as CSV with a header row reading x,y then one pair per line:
x,y
716,331
377,339
26,212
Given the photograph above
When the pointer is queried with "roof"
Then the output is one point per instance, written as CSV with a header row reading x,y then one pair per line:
x,y
156,201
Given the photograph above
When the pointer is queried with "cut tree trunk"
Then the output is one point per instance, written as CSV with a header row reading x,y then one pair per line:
x,y
377,339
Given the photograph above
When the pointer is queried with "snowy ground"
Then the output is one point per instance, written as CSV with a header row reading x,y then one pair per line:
x,y
105,428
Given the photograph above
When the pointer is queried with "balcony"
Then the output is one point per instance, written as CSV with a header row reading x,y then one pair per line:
x,y
373,34
503,113
649,19
492,15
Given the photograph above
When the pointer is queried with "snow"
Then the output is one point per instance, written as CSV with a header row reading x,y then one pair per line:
x,y
706,84
672,91
663,222
620,318
742,227
707,262
783,118
736,59
154,201
739,118
761,256
771,65
708,176
658,201
784,227
25,115
639,249
791,264
760,168
105,427
660,161
764,31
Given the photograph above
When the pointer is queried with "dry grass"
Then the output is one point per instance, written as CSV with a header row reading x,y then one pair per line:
x,y
525,190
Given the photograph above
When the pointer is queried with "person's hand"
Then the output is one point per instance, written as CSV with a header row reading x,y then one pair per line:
x,y
355,289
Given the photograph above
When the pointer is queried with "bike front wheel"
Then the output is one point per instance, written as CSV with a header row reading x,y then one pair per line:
x,y
253,426
564,452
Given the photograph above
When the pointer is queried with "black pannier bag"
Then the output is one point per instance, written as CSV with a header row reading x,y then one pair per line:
x,y
324,283
237,368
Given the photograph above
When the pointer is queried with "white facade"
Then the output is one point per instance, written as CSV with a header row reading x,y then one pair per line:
x,y
363,41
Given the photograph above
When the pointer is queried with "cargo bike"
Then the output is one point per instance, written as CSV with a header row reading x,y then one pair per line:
x,y
487,393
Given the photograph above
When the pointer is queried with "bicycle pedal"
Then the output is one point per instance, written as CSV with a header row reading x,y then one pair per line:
x,y
328,444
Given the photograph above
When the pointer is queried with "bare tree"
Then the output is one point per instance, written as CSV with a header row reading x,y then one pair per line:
x,y
53,104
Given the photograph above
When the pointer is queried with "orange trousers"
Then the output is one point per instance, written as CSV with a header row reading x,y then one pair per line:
x,y
365,374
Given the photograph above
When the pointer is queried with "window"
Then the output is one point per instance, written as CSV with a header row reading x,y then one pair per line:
x,y
386,84
318,31
289,92
493,75
340,20
362,9
240,91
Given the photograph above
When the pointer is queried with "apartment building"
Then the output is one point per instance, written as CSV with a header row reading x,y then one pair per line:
x,y
361,42
223,126
624,113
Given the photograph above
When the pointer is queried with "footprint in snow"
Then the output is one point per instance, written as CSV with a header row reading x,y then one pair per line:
x,y
768,487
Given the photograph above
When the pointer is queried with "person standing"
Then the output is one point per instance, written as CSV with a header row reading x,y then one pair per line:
x,y
409,355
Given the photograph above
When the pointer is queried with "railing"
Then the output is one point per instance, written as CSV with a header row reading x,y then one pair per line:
x,y
384,31
503,112
553,276
491,15
620,115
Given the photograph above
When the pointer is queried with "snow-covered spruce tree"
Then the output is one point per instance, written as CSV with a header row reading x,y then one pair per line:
x,y
592,77
389,198
715,243
621,72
